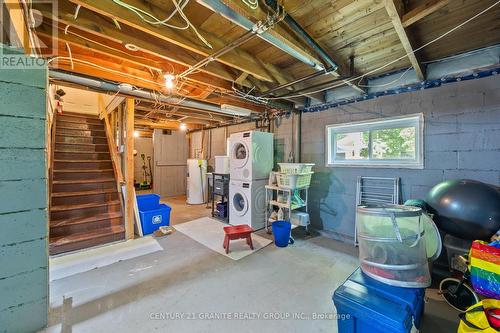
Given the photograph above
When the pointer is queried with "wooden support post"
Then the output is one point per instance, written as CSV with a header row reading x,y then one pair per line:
x,y
129,168
20,30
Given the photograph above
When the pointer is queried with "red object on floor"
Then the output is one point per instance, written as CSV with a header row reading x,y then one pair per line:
x,y
237,232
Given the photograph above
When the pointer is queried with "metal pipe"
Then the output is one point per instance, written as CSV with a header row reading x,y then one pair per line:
x,y
302,33
297,136
212,57
308,89
299,80
128,90
219,7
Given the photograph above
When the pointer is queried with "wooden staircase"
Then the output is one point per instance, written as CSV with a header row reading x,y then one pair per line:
x,y
85,205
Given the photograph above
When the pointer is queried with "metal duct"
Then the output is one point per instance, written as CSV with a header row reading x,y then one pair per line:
x,y
128,90
305,36
219,7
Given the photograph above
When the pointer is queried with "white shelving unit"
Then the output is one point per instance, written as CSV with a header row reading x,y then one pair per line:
x,y
287,205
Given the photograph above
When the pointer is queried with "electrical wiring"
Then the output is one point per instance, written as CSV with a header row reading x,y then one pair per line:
x,y
70,56
142,13
385,84
155,21
253,4
181,13
395,60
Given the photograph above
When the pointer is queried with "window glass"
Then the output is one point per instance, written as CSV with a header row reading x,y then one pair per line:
x,y
388,142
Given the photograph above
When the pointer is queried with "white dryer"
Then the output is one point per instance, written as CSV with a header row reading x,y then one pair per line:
x,y
247,203
251,155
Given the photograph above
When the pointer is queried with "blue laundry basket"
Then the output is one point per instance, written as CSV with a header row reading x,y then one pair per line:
x,y
281,233
153,214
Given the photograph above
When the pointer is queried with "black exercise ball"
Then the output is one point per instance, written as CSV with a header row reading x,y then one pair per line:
x,y
466,209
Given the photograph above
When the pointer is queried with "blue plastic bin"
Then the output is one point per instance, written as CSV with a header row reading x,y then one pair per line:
x,y
153,214
281,233
367,305
148,201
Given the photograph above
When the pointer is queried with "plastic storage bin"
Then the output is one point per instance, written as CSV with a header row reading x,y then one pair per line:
x,y
153,214
456,247
366,305
148,201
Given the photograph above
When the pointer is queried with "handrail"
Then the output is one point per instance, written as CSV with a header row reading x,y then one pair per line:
x,y
111,146
51,146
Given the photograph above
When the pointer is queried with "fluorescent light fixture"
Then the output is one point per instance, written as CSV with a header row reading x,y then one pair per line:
x,y
169,80
136,134
235,110
182,126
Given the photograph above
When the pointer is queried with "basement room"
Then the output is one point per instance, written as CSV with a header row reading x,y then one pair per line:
x,y
250,165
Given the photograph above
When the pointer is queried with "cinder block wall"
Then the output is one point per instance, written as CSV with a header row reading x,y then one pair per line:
x,y
23,201
462,140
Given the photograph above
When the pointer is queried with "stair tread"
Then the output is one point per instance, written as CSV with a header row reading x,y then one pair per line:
x,y
86,219
78,193
82,161
83,236
81,143
80,136
84,181
80,129
82,170
94,121
79,151
58,208
81,115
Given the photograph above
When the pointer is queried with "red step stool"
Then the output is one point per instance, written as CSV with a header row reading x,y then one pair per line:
x,y
237,232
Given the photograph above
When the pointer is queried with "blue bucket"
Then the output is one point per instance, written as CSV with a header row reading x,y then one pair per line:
x,y
281,233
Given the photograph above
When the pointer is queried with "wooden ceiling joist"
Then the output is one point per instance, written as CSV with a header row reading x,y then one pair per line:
x,y
165,124
423,10
395,9
236,58
103,30
19,27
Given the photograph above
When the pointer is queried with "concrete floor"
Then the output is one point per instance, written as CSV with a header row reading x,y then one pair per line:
x,y
183,287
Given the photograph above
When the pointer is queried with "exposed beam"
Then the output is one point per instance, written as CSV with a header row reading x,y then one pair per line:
x,y
421,11
237,58
101,28
114,70
129,168
19,30
395,9
165,124
110,48
188,113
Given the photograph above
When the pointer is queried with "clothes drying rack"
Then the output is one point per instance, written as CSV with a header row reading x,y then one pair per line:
x,y
375,191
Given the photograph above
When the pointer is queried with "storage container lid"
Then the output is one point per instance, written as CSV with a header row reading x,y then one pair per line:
x,y
375,309
386,210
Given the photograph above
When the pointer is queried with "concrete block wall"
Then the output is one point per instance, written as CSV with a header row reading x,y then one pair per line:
x,y
23,201
461,135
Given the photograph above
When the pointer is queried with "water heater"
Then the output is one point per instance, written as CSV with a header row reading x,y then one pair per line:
x,y
196,181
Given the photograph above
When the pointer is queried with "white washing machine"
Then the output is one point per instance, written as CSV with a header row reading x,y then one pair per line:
x,y
247,203
251,155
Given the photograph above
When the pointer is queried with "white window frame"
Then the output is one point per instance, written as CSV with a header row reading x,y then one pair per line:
x,y
415,120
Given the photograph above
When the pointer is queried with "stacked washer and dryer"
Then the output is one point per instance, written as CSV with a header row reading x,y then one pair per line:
x,y
251,157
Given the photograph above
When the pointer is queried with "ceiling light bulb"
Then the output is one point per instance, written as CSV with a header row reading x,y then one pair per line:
x,y
182,126
136,134
169,80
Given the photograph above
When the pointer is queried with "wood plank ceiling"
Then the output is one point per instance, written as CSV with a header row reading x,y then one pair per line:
x,y
368,34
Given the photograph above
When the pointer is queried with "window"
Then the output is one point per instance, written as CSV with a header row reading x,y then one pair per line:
x,y
390,142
